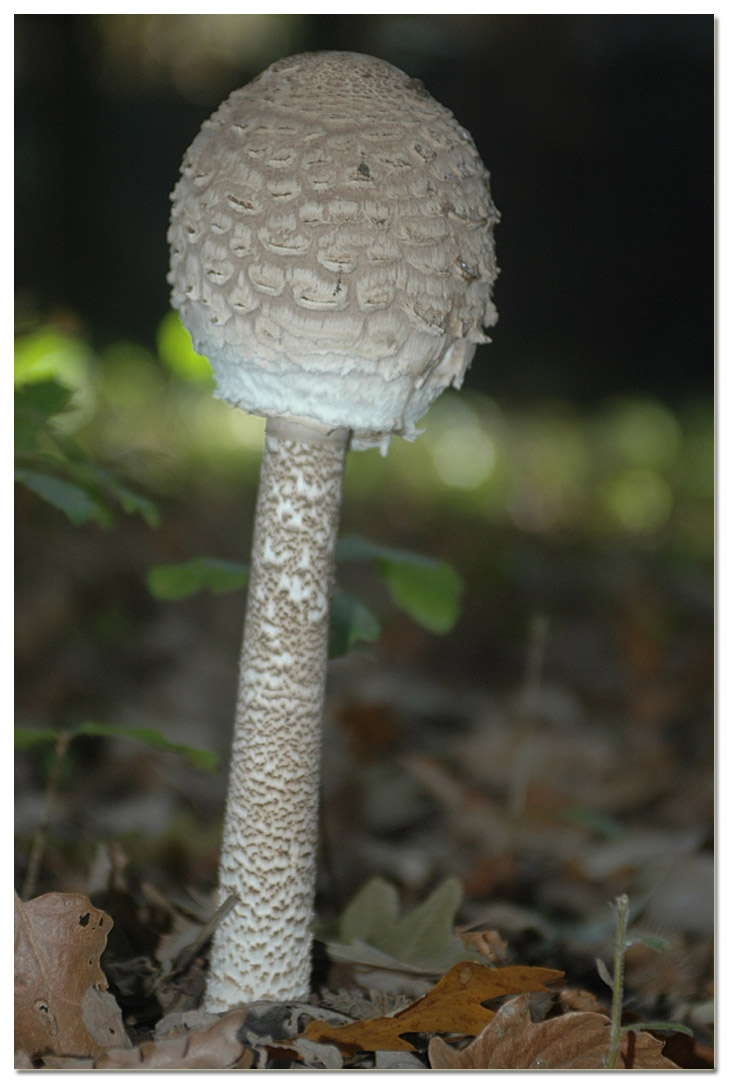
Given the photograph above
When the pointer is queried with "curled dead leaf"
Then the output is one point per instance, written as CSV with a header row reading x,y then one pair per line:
x,y
453,1005
575,1041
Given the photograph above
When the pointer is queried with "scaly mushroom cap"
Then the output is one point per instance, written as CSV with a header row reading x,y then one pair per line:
x,y
331,246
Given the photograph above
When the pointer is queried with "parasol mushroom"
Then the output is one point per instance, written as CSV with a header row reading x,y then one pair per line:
x,y
332,256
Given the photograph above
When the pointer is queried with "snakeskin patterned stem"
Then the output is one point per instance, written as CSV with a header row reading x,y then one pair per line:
x,y
262,948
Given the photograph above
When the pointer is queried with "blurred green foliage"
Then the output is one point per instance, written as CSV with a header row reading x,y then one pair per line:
x,y
373,931
428,590
27,738
351,624
188,577
635,468
51,379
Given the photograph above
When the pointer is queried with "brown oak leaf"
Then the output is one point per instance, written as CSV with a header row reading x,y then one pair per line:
x,y
575,1041
453,1005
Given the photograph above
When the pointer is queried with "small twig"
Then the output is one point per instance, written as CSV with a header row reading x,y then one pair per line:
x,y
187,955
621,907
40,839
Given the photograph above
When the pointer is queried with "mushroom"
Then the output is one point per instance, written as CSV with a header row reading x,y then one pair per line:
x,y
332,256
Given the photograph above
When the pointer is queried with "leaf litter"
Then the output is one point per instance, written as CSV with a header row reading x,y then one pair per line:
x,y
527,815
576,1041
66,1018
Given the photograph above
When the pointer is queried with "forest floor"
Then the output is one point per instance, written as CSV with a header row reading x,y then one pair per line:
x,y
551,755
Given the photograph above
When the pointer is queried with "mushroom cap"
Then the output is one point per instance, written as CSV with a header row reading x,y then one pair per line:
x,y
332,247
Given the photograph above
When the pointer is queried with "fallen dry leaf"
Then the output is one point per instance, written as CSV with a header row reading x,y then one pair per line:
x,y
575,1041
453,1005
574,1000
62,1003
490,944
216,1047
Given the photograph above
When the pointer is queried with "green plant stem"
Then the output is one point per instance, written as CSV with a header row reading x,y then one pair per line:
x,y
526,721
40,839
621,906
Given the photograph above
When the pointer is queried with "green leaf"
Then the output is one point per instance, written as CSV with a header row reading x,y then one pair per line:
x,y
189,577
356,548
651,941
27,738
351,623
371,930
371,915
75,501
602,969
199,758
428,590
429,595
35,406
132,502
44,398
657,1026
97,479
48,353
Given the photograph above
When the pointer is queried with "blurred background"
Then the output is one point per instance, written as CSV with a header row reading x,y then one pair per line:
x,y
570,482
597,129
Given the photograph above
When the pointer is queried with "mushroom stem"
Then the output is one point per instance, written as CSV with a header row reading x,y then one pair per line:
x,y
262,948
